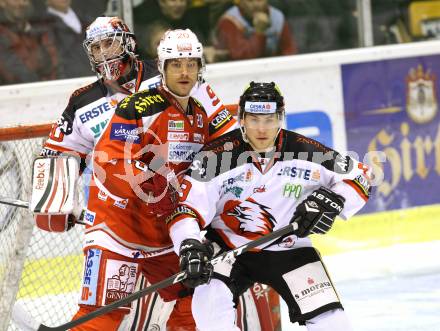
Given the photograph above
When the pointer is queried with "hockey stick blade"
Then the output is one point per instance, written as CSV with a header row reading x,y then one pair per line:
x,y
170,280
25,204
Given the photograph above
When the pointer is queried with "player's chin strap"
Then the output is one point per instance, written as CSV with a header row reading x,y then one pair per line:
x,y
172,280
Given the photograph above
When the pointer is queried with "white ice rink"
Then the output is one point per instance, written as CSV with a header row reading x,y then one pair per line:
x,y
392,289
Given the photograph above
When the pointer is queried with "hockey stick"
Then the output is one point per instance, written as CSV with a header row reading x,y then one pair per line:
x,y
14,202
25,204
171,280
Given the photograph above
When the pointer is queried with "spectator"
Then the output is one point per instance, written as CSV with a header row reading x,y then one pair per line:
x,y
253,29
149,38
321,25
27,49
69,28
92,9
176,14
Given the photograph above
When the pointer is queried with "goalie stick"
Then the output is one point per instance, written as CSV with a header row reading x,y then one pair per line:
x,y
172,279
25,204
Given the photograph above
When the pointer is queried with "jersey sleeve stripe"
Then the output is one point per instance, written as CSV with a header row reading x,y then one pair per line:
x,y
185,211
359,189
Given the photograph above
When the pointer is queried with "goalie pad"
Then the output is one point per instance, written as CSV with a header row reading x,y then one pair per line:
x,y
54,185
54,196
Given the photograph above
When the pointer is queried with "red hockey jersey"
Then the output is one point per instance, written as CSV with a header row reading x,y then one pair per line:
x,y
147,127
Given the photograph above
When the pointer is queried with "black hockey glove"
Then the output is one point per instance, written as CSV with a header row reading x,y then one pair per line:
x,y
317,212
194,260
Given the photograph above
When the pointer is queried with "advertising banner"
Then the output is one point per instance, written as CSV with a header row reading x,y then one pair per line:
x,y
392,106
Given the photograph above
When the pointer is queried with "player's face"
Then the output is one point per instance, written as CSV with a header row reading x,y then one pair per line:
x,y
181,75
106,49
261,130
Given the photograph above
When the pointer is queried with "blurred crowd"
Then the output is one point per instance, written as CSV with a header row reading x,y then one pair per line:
x,y
42,39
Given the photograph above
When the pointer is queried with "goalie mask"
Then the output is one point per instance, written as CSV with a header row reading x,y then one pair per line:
x,y
261,99
178,44
110,47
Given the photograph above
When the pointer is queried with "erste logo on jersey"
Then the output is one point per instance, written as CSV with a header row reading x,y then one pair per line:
x,y
125,132
96,111
296,172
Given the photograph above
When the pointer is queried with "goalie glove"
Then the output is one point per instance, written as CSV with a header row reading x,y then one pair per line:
x,y
317,212
55,223
194,260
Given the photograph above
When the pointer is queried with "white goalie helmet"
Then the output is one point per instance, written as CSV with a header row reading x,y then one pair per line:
x,y
109,45
177,44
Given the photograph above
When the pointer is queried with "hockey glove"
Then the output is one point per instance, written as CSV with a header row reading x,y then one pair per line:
x,y
194,260
317,212
55,223
163,194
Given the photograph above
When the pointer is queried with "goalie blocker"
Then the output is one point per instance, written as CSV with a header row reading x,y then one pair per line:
x,y
54,197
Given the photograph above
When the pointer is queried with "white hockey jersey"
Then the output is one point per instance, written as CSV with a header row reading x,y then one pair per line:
x,y
243,195
89,110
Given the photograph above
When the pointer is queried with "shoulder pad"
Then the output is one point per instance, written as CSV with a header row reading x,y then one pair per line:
x,y
83,89
142,104
305,148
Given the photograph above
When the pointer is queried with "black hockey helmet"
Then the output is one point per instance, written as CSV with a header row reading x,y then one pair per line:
x,y
261,98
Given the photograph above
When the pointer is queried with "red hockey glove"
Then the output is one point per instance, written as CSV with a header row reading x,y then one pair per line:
x,y
164,197
55,223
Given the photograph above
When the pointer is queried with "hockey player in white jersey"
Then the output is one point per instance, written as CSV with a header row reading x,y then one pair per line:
x,y
251,182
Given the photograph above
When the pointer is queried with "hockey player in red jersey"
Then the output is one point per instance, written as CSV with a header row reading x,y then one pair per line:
x,y
253,181
151,138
